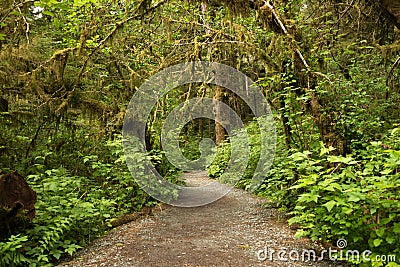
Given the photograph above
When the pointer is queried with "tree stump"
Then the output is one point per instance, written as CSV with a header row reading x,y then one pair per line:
x,y
17,203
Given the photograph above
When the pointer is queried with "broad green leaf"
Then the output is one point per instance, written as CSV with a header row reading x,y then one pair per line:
x,y
393,264
308,197
329,205
390,239
300,155
347,210
380,232
355,196
377,242
341,159
396,228
305,182
325,150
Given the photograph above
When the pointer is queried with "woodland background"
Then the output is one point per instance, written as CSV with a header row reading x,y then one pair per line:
x,y
329,69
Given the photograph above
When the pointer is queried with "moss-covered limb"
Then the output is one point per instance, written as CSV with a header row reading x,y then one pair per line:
x,y
117,26
55,63
13,7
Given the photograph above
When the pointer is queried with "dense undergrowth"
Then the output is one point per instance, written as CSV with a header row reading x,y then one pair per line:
x,y
80,191
329,197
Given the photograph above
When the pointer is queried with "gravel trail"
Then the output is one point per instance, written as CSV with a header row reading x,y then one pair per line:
x,y
229,232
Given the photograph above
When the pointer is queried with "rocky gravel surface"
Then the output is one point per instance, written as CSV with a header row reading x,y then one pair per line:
x,y
237,230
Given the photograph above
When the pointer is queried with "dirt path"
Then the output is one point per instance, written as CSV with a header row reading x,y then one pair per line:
x,y
228,232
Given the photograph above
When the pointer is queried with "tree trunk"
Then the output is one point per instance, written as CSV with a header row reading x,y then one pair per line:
x,y
326,128
219,128
306,81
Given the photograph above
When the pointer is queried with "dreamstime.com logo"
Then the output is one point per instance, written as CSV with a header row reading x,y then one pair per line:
x,y
307,255
143,105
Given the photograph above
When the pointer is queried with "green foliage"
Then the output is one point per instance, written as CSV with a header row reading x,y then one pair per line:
x,y
10,251
116,180
66,216
221,160
331,197
224,150
72,210
353,197
218,167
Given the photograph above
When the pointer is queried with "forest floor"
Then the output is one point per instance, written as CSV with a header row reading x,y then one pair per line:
x,y
229,232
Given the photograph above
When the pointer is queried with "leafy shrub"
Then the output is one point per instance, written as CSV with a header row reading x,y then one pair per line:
x,y
72,210
355,197
224,150
66,217
221,160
